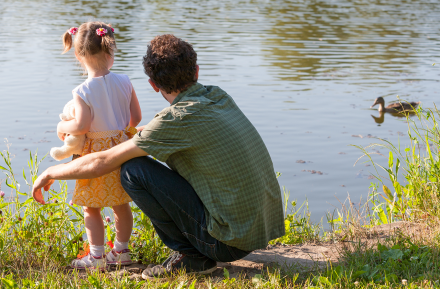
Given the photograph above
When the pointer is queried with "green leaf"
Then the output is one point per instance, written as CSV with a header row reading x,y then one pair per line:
x,y
226,273
193,285
392,254
337,273
9,283
78,214
2,168
392,278
324,280
28,283
95,282
382,216
27,201
388,192
398,189
257,278
390,160
381,248
357,274
10,185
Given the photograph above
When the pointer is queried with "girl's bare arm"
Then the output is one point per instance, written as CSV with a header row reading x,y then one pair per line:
x,y
82,121
135,110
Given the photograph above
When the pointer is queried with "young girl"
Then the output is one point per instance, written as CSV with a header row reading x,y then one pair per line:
x,y
106,110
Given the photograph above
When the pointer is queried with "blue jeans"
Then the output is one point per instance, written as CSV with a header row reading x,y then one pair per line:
x,y
174,208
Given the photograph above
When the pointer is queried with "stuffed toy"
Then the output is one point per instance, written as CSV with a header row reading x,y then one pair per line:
x,y
73,144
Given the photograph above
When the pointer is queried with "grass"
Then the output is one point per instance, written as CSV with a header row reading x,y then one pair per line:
x,y
37,242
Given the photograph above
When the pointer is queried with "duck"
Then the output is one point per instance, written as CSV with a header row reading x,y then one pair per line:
x,y
396,106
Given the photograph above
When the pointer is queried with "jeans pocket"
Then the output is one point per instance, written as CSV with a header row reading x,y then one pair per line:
x,y
204,248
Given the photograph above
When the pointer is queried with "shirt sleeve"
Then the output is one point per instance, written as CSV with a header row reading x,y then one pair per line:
x,y
82,91
162,137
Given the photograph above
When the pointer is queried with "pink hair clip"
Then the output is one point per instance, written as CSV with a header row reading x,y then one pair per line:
x,y
112,29
101,31
73,30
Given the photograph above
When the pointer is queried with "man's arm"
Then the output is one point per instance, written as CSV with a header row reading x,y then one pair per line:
x,y
87,167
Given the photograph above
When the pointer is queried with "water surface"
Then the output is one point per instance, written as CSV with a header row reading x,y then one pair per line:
x,y
304,73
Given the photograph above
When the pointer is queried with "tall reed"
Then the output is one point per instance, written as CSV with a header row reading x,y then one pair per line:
x,y
410,188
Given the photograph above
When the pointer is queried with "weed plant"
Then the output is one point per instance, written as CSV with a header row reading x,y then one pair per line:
x,y
35,238
298,226
38,242
415,198
397,260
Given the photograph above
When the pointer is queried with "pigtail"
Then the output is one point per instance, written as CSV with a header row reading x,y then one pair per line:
x,y
108,43
67,38
67,41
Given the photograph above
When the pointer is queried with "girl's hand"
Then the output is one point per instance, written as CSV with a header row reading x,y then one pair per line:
x,y
61,136
140,128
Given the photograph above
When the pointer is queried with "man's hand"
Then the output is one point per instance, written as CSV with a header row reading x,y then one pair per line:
x,y
86,167
41,182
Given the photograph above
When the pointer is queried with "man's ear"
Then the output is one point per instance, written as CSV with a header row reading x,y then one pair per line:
x,y
153,85
197,72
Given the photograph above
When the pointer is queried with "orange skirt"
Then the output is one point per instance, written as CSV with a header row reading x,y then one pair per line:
x,y
105,191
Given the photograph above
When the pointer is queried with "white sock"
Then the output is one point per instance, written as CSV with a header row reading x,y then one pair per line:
x,y
97,251
119,246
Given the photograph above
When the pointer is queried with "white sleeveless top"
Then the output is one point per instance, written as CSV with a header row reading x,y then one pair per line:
x,y
109,98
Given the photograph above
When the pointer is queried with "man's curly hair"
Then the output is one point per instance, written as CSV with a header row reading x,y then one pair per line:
x,y
170,63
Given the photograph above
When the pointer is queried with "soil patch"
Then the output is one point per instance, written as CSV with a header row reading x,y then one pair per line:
x,y
294,258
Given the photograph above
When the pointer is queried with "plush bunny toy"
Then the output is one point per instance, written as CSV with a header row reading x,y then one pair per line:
x,y
73,144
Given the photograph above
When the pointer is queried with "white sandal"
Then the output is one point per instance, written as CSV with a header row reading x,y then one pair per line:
x,y
90,262
119,258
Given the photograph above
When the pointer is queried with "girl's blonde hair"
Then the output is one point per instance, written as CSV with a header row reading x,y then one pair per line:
x,y
88,43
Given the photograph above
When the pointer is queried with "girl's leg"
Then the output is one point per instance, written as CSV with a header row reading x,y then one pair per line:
x,y
95,234
94,229
123,223
120,255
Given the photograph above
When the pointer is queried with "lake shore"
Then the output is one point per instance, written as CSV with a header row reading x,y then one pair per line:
x,y
390,240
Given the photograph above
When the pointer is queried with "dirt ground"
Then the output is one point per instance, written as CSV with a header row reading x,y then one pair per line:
x,y
296,258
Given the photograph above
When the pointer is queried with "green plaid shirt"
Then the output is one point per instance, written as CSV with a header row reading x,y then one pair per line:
x,y
208,140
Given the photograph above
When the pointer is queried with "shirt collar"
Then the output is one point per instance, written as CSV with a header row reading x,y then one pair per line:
x,y
189,91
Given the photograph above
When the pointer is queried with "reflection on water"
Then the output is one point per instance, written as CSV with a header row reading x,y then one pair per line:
x,y
381,118
304,72
306,39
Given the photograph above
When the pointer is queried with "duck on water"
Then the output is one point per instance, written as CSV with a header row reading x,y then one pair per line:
x,y
396,106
